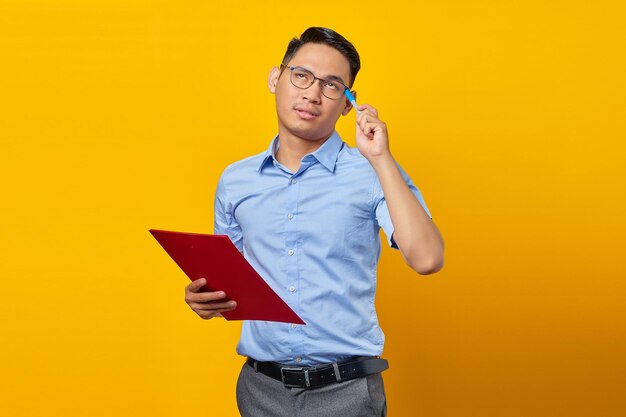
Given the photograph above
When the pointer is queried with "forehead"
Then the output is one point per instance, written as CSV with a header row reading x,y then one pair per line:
x,y
323,60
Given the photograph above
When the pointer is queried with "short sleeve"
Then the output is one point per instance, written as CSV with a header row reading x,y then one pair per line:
x,y
382,211
225,223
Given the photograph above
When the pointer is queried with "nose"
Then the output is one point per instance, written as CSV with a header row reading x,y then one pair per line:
x,y
314,92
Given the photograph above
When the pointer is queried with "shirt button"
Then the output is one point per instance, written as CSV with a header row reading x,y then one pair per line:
x,y
291,251
292,288
290,216
298,359
293,181
293,326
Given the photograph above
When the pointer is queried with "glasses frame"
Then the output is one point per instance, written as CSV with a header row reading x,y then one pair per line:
x,y
283,66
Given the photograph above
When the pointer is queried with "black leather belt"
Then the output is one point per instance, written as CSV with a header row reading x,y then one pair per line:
x,y
307,377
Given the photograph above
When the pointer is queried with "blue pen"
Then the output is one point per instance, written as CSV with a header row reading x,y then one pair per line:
x,y
352,100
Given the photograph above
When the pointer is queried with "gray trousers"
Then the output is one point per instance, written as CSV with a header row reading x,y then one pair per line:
x,y
261,396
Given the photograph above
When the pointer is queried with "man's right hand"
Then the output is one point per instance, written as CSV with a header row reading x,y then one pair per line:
x,y
206,304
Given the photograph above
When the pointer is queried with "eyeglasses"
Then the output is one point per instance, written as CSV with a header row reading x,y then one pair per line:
x,y
303,78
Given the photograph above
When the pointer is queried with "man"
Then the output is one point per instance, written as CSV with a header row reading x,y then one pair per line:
x,y
306,214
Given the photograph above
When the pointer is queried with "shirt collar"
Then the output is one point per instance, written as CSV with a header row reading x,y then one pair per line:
x,y
326,154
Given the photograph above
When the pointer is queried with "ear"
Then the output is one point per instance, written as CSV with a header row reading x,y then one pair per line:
x,y
348,105
272,79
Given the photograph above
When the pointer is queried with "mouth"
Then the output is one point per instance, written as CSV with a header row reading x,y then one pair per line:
x,y
305,114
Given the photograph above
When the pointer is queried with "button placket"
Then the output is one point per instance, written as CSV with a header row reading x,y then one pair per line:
x,y
291,262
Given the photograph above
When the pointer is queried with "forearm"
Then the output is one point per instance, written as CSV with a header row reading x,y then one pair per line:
x,y
416,235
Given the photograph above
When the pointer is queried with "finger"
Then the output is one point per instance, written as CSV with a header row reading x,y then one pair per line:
x,y
228,305
207,297
373,127
203,297
362,129
362,120
207,314
367,124
367,117
366,108
366,130
195,285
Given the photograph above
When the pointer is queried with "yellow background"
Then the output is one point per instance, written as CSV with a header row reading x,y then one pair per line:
x,y
119,116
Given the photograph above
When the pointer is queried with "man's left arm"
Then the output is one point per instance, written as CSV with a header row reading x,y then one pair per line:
x,y
416,235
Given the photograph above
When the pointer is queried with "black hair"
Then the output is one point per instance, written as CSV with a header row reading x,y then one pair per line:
x,y
327,37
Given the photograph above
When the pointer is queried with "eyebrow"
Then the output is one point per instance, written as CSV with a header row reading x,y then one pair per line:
x,y
335,78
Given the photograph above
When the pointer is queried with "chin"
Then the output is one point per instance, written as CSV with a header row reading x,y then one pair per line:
x,y
310,134
306,131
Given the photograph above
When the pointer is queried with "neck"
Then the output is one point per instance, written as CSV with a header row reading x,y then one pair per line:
x,y
293,148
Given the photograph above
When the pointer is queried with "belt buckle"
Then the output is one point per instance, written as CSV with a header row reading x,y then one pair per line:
x,y
295,369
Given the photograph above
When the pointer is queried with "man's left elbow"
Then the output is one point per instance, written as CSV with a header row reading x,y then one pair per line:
x,y
427,267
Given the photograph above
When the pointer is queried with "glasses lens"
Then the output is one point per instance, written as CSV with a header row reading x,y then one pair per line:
x,y
332,89
301,78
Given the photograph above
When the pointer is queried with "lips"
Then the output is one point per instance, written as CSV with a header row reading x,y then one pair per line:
x,y
306,114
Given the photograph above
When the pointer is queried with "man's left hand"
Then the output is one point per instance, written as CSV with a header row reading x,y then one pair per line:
x,y
371,134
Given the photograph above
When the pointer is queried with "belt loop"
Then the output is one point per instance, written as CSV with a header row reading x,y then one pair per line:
x,y
337,373
255,369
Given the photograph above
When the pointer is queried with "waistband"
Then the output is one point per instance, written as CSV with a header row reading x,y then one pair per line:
x,y
312,376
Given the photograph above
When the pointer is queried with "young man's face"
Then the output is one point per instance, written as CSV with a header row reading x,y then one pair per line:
x,y
307,113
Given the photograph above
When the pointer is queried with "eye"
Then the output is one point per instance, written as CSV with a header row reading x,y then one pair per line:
x,y
331,86
301,75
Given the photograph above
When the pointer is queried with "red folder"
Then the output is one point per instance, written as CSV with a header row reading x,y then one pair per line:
x,y
216,258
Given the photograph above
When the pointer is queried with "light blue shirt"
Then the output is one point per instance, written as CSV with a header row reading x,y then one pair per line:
x,y
313,235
